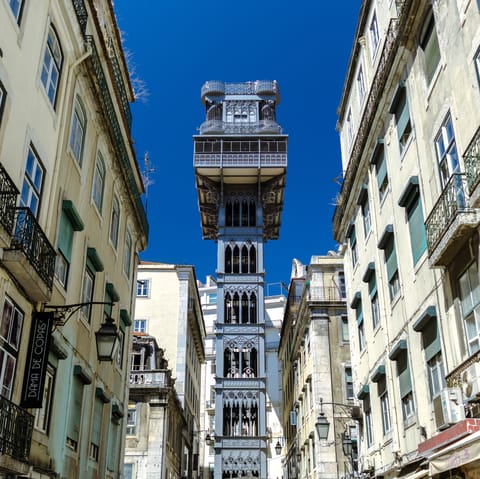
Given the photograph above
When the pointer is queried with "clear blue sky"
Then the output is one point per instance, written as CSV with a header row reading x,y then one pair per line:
x,y
176,45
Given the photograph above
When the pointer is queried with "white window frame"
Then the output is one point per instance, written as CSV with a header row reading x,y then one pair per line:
x,y
78,126
32,182
42,415
88,287
361,85
374,34
408,406
143,288
140,326
436,375
52,65
98,185
446,149
16,7
127,254
385,408
349,124
132,420
115,222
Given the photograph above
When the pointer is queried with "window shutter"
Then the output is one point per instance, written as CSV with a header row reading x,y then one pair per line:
x,y
403,371
97,421
402,116
381,169
418,237
73,430
391,258
65,237
359,314
431,340
372,285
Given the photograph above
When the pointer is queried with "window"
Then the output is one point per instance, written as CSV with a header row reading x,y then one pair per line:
x,y
10,332
470,305
399,109
400,355
77,131
365,207
360,324
374,34
429,45
121,348
17,7
446,149
75,413
410,200
127,254
476,60
32,182
3,97
387,243
374,303
349,395
341,284
353,244
212,298
87,291
361,85
113,446
42,415
408,408
143,288
380,162
367,408
349,128
436,375
132,420
96,434
115,222
128,471
52,65
98,182
384,405
140,325
344,329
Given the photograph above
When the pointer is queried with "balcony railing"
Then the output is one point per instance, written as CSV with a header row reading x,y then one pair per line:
x,y
82,14
240,160
159,378
115,131
8,200
472,162
325,293
16,426
259,87
452,202
262,126
30,239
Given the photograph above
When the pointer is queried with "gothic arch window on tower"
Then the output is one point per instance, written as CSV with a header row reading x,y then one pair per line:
x,y
240,464
245,259
228,259
236,260
240,213
253,259
240,414
240,360
240,307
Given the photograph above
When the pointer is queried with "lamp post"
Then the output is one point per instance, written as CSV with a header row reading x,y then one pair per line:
x,y
278,448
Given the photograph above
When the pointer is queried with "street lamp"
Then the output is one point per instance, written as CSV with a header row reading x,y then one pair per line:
x,y
278,448
322,426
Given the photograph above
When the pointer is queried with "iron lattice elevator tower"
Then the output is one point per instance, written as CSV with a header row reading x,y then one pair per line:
x,y
240,161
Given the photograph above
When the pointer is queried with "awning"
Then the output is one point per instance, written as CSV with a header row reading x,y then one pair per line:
x,y
461,452
416,475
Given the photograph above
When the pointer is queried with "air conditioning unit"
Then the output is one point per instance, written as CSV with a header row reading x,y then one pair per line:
x,y
470,383
448,407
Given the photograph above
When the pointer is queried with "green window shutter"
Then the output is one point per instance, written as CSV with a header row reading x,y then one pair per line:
x,y
359,314
431,339
372,285
65,237
391,258
381,169
113,445
97,421
416,225
76,399
403,372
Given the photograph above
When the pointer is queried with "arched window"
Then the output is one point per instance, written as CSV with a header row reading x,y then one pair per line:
x,y
253,259
228,259
244,259
77,131
244,213
253,309
52,65
228,309
236,260
98,182
236,213
228,213
115,222
252,213
236,308
244,309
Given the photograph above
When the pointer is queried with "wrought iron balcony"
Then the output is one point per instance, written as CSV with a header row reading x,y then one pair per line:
x,y
449,219
259,87
115,131
145,384
8,200
325,293
16,426
31,257
267,127
82,14
472,167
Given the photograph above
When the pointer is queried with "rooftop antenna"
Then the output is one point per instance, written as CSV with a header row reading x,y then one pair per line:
x,y
146,178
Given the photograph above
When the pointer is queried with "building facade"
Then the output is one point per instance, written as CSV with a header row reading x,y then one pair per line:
x,y
274,309
168,308
240,164
408,214
72,223
316,372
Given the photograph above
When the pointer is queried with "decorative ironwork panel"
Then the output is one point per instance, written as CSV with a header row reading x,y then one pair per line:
x,y
8,200
29,238
16,426
452,201
82,14
324,293
151,377
472,162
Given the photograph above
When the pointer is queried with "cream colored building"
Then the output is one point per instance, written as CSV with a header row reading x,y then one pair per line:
x,y
408,214
72,223
314,352
168,308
